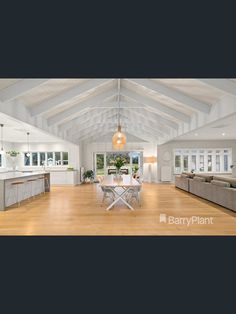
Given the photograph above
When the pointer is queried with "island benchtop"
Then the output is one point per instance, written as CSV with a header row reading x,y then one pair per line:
x,y
19,175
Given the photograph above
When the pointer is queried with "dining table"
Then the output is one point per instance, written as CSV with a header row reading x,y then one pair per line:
x,y
123,183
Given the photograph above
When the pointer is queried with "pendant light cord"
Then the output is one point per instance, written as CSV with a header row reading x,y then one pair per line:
x,y
119,102
2,125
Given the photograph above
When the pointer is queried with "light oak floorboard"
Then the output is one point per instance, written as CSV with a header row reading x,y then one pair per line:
x,y
78,211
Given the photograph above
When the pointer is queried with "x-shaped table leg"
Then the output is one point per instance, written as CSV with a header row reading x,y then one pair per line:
x,y
120,197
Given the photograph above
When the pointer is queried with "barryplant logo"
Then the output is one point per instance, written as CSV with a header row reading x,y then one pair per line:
x,y
193,220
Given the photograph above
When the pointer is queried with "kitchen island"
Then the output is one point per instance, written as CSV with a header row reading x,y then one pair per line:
x,y
31,184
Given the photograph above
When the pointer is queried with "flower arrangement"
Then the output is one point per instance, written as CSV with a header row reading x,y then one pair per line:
x,y
13,153
119,162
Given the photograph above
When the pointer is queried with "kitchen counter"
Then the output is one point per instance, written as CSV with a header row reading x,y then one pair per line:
x,y
19,175
8,193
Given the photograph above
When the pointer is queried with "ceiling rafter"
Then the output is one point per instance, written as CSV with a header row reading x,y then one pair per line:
x,y
20,88
174,94
75,110
224,85
163,109
75,92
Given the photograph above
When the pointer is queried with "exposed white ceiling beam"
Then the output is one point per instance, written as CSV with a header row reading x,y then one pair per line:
x,y
83,118
173,94
167,111
20,88
74,92
140,120
150,113
224,85
75,110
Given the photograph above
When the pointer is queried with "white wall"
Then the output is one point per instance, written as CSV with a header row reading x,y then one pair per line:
x,y
169,147
148,149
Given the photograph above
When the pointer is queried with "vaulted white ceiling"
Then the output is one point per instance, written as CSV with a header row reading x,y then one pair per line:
x,y
86,110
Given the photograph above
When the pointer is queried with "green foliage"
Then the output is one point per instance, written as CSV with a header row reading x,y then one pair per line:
x,y
13,153
89,174
119,162
135,168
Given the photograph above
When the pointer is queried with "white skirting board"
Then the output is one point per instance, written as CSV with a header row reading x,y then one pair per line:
x,y
166,174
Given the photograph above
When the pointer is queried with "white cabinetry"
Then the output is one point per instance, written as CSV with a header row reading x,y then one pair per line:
x,y
64,177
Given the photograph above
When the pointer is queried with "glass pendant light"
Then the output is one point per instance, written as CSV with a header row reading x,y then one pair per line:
x,y
119,138
2,125
28,153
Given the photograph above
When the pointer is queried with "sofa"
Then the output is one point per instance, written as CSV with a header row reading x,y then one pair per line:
x,y
217,189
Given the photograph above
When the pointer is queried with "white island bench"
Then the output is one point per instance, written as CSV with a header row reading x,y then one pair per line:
x,y
31,184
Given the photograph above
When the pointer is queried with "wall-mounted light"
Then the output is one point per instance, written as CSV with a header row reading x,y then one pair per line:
x,y
28,144
2,125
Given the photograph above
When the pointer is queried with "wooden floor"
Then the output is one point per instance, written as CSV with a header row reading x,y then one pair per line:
x,y
78,211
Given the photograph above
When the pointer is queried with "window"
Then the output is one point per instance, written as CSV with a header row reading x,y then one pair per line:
x,y
50,159
26,159
201,163
178,164
202,160
42,158
57,158
65,159
194,162
104,161
218,163
0,160
34,159
226,163
209,163
185,163
39,159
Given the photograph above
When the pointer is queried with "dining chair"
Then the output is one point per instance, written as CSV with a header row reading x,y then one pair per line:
x,y
107,193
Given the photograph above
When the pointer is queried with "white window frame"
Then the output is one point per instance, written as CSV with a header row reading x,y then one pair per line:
x,y
205,152
46,158
116,152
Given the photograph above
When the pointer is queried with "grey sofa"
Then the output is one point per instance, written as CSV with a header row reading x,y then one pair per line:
x,y
217,189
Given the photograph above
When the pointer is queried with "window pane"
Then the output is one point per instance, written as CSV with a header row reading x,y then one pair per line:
x,y
185,163
194,162
50,159
209,162
100,165
42,159
218,163
177,164
226,163
57,158
201,163
65,158
26,159
34,159
0,160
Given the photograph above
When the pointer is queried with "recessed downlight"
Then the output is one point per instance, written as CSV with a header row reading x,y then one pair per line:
x,y
223,134
196,134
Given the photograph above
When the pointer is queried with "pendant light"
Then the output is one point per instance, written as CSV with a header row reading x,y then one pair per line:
x,y
119,138
28,153
2,125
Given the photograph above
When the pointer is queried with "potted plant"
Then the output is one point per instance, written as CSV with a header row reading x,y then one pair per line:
x,y
88,176
13,154
135,170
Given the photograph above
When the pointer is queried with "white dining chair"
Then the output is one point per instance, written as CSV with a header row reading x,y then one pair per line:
x,y
107,193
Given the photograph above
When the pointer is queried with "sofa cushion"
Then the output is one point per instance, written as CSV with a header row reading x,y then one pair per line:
x,y
200,179
232,181
207,177
183,175
189,174
221,183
